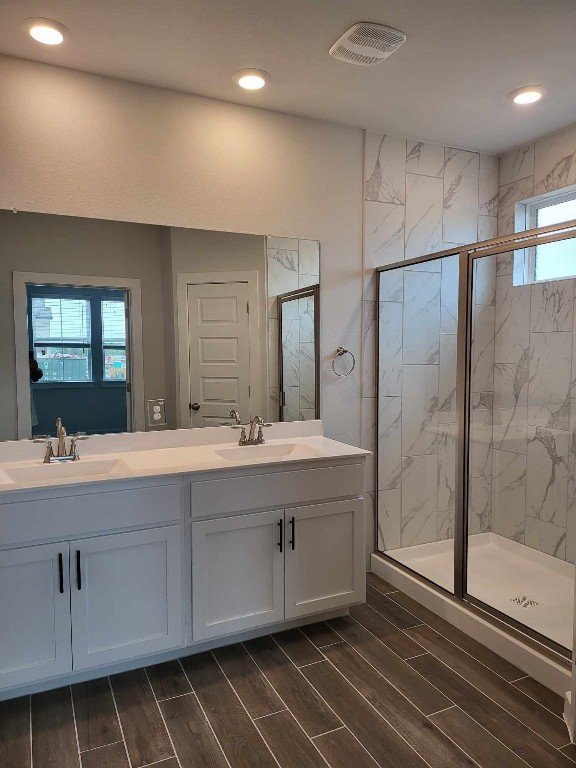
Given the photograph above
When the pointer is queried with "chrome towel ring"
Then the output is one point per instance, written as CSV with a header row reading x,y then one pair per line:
x,y
339,352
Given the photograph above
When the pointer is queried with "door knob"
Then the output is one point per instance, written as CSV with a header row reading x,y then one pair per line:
x,y
195,407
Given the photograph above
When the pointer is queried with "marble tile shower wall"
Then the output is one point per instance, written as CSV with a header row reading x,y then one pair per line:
x,y
419,199
534,493
292,264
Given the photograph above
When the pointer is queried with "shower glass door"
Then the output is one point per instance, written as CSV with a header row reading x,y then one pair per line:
x,y
521,516
416,449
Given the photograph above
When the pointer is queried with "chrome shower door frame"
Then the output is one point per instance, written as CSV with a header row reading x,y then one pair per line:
x,y
466,259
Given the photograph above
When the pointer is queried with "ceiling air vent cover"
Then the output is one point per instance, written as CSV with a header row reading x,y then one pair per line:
x,y
367,44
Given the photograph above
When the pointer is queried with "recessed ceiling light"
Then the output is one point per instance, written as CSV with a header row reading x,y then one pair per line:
x,y
46,31
251,79
529,94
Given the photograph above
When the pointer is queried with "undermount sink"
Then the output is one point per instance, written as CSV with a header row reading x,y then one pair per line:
x,y
257,453
65,469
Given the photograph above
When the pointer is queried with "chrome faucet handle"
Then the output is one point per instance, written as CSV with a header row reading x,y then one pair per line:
x,y
73,449
242,429
236,416
49,454
260,439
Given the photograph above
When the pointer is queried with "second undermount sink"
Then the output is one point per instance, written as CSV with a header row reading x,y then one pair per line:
x,y
65,469
266,452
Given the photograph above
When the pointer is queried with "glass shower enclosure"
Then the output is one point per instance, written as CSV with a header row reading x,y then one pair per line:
x,y
476,361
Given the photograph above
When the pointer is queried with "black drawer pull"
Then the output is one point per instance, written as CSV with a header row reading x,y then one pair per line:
x,y
61,572
281,542
293,532
78,570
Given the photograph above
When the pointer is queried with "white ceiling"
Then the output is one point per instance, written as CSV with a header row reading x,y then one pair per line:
x,y
447,84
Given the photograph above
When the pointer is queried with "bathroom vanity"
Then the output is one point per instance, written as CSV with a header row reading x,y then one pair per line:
x,y
155,545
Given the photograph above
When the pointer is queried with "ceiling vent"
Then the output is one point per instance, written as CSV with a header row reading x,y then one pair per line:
x,y
367,44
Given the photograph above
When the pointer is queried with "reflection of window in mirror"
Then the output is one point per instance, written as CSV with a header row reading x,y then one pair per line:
x,y
77,341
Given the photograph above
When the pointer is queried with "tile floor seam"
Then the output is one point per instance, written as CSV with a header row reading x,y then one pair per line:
x,y
204,713
119,721
332,730
298,725
379,590
75,725
378,713
467,714
496,703
245,709
463,650
270,714
159,762
329,645
177,696
302,666
432,714
305,678
163,722
401,659
100,746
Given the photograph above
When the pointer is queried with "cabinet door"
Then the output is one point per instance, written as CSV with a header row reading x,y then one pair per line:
x,y
324,557
34,614
237,573
126,595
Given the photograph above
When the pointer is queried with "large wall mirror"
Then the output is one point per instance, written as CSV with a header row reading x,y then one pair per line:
x,y
117,326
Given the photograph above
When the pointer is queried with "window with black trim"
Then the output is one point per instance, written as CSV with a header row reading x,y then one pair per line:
x,y
77,335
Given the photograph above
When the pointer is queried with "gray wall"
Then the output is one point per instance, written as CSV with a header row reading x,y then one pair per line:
x,y
67,245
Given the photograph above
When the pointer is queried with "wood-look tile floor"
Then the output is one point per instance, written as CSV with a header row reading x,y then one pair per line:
x,y
391,685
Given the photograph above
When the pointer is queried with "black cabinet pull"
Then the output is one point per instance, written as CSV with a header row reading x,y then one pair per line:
x,y
78,571
281,542
293,532
61,572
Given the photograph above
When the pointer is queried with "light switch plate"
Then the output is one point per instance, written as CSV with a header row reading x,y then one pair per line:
x,y
156,413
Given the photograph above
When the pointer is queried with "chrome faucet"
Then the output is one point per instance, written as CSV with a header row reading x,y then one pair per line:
x,y
61,453
61,437
254,438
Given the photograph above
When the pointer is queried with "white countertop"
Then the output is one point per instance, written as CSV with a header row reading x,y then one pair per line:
x,y
129,462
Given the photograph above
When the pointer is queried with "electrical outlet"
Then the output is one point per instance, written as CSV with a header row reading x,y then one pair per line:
x,y
157,413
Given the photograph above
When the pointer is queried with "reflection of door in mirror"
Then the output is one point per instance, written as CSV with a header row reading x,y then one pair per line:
x,y
78,358
218,326
298,354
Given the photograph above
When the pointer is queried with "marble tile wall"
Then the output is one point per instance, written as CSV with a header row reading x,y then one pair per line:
x,y
418,199
292,264
534,373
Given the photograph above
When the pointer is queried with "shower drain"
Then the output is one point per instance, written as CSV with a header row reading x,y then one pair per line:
x,y
524,602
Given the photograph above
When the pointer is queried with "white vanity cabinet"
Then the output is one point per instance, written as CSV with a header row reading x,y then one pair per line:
x,y
125,595
324,561
259,568
100,596
237,573
34,614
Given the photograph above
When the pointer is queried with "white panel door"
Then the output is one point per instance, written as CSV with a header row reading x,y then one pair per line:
x,y
237,573
34,614
126,595
218,325
324,557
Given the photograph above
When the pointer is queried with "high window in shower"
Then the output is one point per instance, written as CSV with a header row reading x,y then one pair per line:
x,y
477,430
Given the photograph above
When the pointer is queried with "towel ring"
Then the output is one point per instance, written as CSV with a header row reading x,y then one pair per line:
x,y
339,352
